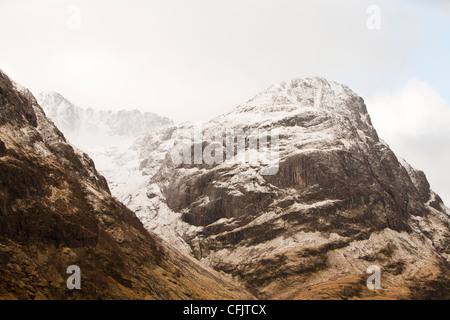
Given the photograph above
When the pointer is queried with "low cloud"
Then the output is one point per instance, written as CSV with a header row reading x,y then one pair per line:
x,y
415,122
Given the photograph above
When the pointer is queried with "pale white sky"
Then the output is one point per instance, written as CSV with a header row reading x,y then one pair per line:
x,y
192,60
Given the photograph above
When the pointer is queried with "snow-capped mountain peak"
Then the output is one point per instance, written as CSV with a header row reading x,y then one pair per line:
x,y
86,126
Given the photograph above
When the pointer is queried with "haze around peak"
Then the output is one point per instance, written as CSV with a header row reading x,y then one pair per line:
x,y
196,60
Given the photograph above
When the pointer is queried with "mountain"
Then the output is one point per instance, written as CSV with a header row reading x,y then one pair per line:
x,y
56,210
305,223
87,126
106,135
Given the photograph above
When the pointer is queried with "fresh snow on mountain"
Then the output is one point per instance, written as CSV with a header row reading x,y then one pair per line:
x,y
104,134
312,114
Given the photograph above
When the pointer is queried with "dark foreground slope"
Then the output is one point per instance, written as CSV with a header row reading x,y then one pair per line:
x,y
57,211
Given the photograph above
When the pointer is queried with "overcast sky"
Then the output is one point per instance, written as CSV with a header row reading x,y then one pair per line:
x,y
194,59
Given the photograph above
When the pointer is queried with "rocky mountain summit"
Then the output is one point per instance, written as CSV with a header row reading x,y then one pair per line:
x,y
56,210
338,201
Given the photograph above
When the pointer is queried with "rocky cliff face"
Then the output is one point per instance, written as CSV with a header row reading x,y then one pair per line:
x,y
56,210
338,201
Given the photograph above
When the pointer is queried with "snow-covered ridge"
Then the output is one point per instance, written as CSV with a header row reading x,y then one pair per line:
x,y
88,126
107,136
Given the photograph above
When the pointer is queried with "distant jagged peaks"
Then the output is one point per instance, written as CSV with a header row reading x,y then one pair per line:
x,y
76,121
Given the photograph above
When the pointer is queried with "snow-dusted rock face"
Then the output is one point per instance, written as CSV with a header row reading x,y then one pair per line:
x,y
56,211
85,126
338,202
107,136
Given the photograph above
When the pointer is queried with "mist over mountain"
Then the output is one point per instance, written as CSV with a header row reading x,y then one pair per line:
x,y
88,127
339,202
305,224
104,134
